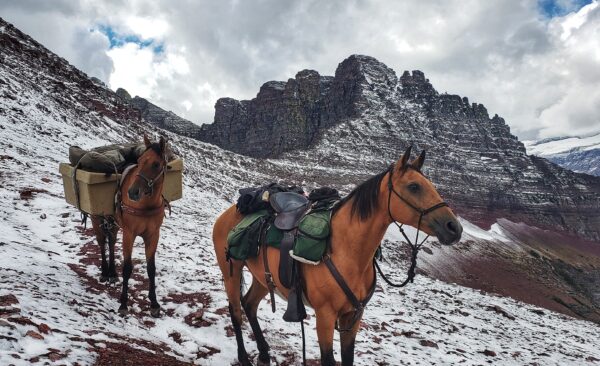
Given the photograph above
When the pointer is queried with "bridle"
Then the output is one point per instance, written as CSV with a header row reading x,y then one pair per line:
x,y
151,182
416,245
359,305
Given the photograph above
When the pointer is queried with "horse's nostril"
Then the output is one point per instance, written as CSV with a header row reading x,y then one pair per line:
x,y
451,226
133,193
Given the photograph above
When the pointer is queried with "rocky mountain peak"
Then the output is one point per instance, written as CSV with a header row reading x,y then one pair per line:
x,y
123,94
359,120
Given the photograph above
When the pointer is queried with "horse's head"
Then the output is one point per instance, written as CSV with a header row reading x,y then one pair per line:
x,y
413,200
152,166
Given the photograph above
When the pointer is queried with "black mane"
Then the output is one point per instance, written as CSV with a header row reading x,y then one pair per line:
x,y
365,197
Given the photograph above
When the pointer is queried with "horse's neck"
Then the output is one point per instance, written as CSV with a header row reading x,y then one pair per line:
x,y
355,241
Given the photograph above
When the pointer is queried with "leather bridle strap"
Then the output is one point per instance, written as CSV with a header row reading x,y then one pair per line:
x,y
150,182
359,306
414,246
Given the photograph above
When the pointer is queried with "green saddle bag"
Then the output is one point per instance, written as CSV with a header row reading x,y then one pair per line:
x,y
243,240
312,236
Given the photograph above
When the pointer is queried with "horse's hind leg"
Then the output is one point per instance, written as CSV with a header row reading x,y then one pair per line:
x,y
97,225
233,287
231,279
112,239
250,302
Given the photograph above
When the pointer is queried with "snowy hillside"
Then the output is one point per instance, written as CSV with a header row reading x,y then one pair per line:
x,y
580,154
53,309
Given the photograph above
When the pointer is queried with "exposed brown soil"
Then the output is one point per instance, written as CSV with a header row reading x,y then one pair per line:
x,y
119,354
553,270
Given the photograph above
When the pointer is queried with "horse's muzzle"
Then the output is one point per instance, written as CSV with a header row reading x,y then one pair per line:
x,y
134,194
448,230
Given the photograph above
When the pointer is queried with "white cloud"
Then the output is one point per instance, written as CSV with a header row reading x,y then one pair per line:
x,y
541,75
148,28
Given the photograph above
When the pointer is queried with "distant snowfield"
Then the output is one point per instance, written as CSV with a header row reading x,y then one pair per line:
x,y
46,263
559,146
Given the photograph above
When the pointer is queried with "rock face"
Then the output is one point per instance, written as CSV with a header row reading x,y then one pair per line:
x,y
359,121
283,116
160,118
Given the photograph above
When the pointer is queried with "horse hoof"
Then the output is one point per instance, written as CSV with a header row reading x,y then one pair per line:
x,y
123,311
113,279
155,312
103,278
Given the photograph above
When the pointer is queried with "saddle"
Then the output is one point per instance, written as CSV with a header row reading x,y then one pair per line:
x,y
290,207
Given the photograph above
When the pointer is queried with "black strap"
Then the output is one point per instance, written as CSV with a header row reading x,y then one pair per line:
x,y
413,246
268,274
303,343
359,306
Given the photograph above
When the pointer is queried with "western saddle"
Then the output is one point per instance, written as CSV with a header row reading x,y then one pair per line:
x,y
290,207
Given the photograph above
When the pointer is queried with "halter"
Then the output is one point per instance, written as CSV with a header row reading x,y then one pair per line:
x,y
150,182
416,245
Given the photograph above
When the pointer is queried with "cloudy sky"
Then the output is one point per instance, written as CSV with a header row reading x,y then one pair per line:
x,y
536,63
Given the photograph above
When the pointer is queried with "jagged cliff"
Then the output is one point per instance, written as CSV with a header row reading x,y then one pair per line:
x,y
159,117
54,308
358,121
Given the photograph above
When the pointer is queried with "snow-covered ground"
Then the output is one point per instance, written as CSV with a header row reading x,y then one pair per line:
x,y
53,309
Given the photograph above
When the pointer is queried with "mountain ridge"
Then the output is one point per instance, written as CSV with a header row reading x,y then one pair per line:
x,y
580,154
360,118
54,309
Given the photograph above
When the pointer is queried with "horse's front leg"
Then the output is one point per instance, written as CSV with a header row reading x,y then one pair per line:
x,y
348,336
151,243
326,318
128,239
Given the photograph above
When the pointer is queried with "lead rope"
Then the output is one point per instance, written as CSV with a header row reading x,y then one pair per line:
x,y
414,247
303,343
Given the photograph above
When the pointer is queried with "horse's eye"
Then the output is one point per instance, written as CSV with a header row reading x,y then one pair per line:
x,y
414,188
155,165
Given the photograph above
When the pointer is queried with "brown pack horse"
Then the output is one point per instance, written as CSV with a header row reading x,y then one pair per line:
x,y
140,212
400,194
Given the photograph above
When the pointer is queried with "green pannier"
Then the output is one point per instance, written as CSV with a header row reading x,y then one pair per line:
x,y
311,240
274,236
243,239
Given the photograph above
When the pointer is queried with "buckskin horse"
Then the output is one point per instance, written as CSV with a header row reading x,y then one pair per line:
x,y
399,194
139,211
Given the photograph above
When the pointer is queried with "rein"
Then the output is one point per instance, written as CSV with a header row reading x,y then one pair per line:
x,y
413,246
358,305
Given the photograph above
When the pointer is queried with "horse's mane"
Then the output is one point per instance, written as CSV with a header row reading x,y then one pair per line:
x,y
365,197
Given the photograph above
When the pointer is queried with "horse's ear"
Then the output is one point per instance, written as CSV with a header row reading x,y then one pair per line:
x,y
418,163
163,144
404,159
147,141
